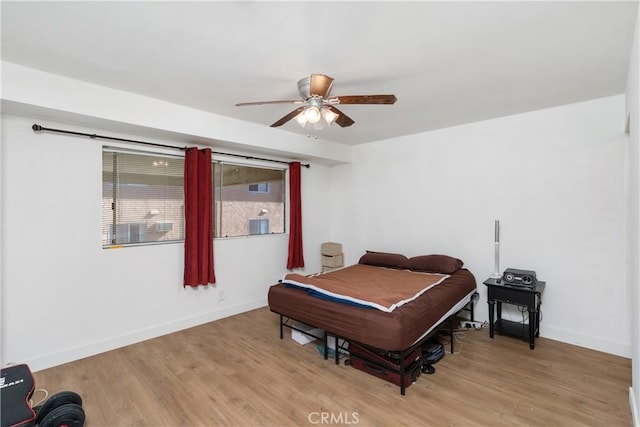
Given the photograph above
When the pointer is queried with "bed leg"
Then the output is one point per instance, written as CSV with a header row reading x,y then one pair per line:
x,y
451,329
402,384
281,327
326,347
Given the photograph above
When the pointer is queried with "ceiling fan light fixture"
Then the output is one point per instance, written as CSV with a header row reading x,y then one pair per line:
x,y
329,116
302,119
312,114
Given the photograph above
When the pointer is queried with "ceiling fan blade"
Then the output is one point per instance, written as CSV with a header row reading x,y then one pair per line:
x,y
320,85
343,120
366,99
290,101
288,117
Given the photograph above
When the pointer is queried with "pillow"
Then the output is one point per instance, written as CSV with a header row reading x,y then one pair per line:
x,y
384,259
435,264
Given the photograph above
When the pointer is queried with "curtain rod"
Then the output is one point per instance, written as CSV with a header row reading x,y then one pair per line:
x,y
38,128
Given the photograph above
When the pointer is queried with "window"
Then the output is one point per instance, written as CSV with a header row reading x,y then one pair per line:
x,y
262,187
142,198
258,226
248,200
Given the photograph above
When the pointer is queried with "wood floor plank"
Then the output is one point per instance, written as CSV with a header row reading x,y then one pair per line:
x,y
237,372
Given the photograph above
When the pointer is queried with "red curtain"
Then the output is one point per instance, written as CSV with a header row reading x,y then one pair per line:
x,y
296,259
198,240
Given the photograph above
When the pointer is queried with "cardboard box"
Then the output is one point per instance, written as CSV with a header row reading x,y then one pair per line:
x,y
302,338
331,248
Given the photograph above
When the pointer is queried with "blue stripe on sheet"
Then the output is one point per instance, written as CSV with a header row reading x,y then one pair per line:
x,y
318,294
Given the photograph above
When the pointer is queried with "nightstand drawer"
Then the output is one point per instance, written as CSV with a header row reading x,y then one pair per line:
x,y
511,296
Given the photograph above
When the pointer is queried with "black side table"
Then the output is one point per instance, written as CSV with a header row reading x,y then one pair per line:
x,y
498,292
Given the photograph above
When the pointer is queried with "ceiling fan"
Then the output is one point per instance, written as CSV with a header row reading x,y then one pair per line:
x,y
317,104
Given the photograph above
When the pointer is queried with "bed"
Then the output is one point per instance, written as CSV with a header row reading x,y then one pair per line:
x,y
399,329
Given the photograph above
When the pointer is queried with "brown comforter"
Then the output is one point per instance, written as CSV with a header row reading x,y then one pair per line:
x,y
369,285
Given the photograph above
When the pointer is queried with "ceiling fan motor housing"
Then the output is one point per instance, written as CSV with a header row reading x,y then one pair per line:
x,y
321,87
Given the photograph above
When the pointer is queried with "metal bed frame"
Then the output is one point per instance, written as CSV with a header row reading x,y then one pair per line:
x,y
399,355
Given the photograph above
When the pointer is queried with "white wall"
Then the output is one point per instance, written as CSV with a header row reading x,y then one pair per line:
x,y
554,178
64,297
633,215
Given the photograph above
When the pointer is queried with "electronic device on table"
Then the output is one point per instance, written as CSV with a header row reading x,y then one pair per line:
x,y
521,278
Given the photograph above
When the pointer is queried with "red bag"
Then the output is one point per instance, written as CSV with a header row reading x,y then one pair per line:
x,y
386,367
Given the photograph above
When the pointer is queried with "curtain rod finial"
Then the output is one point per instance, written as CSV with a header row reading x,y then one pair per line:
x,y
36,127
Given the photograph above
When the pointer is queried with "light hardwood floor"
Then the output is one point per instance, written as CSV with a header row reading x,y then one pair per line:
x,y
237,372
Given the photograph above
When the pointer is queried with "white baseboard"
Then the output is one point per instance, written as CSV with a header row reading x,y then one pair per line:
x,y
558,334
633,404
97,347
587,341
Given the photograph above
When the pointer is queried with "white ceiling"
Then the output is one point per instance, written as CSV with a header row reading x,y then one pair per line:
x,y
448,63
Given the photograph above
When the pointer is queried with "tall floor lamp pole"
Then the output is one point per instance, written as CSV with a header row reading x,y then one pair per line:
x,y
496,245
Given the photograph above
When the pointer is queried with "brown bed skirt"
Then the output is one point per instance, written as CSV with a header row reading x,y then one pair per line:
x,y
394,331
